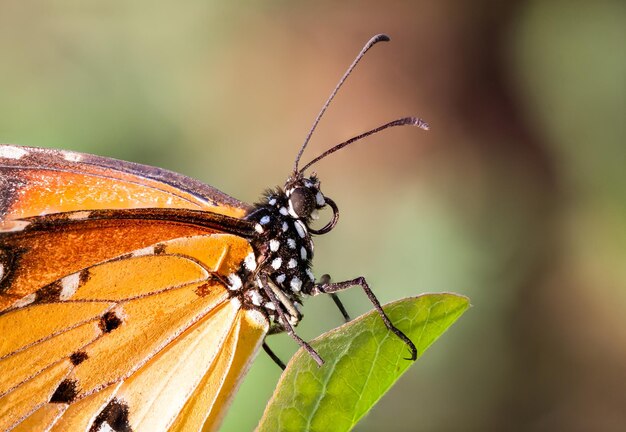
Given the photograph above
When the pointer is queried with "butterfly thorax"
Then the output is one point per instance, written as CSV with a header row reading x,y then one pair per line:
x,y
283,249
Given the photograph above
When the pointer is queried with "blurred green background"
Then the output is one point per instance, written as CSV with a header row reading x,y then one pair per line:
x,y
516,197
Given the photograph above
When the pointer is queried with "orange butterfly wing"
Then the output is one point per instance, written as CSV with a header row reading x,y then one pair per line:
x,y
36,181
117,316
50,247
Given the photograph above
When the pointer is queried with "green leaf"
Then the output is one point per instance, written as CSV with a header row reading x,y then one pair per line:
x,y
363,360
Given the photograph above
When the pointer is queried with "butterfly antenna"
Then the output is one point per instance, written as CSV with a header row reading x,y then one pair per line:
x,y
406,121
373,41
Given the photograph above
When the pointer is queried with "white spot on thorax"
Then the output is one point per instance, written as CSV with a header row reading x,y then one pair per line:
x,y
285,226
292,263
296,284
310,275
276,263
12,152
272,201
255,297
250,262
274,245
69,285
258,228
300,228
280,278
291,243
265,220
303,253
270,306
283,211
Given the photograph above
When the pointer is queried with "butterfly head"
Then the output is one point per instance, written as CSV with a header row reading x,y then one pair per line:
x,y
305,199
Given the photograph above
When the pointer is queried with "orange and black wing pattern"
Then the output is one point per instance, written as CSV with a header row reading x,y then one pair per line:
x,y
114,312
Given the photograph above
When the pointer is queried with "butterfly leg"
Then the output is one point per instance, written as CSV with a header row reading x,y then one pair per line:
x,y
340,306
284,321
273,356
325,280
326,287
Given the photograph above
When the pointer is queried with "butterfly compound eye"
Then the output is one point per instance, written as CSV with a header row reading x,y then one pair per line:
x,y
302,201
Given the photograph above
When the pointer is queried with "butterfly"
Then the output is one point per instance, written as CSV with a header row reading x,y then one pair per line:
x,y
133,298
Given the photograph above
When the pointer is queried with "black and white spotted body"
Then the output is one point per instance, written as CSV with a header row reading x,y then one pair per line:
x,y
283,249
